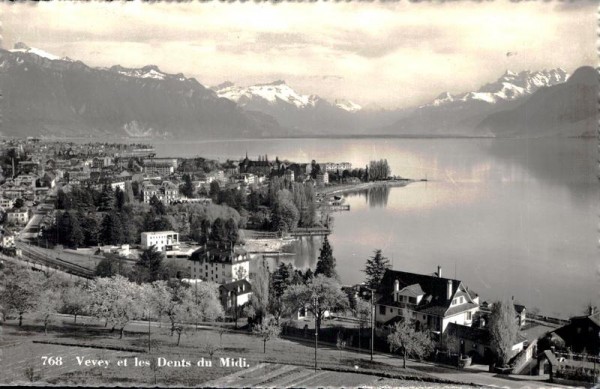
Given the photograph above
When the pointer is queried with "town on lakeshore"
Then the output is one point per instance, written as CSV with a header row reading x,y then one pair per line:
x,y
109,248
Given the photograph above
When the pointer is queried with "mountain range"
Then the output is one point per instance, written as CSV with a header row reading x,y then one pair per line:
x,y
461,114
567,109
44,94
306,114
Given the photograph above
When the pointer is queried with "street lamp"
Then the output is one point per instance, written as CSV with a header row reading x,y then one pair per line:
x,y
372,320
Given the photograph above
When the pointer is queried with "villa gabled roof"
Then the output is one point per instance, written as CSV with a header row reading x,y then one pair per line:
x,y
243,286
434,290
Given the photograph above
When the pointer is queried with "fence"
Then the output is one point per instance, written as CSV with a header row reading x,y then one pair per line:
x,y
548,319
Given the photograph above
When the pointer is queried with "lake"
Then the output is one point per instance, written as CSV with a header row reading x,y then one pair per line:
x,y
507,217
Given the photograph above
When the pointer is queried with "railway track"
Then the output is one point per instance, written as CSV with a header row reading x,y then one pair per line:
x,y
55,262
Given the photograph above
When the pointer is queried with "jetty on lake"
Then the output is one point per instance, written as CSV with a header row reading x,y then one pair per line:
x,y
311,231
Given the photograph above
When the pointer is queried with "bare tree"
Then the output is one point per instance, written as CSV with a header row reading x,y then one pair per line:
x,y
75,301
320,295
47,306
409,342
267,330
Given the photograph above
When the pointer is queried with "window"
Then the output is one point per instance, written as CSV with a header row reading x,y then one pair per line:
x,y
454,302
382,309
412,300
469,315
460,301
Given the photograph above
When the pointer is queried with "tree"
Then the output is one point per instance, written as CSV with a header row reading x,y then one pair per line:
x,y
75,301
280,279
63,201
214,190
187,188
19,203
320,294
111,230
375,269
160,298
260,290
116,300
110,266
503,330
47,306
206,301
158,206
69,230
379,170
267,330
107,199
217,231
19,291
231,232
119,199
326,261
285,215
363,312
409,342
150,263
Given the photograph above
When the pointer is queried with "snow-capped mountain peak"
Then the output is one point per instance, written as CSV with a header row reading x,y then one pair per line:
x,y
273,92
148,71
443,98
21,47
347,105
509,86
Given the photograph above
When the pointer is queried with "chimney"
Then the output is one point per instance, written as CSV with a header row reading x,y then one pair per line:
x,y
449,290
396,286
439,272
591,309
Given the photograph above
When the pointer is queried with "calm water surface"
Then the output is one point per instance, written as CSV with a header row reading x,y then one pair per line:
x,y
508,217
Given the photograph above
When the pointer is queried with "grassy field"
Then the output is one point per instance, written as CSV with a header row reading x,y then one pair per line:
x,y
22,355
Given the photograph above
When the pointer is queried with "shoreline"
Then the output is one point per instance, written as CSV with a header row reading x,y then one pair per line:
x,y
347,188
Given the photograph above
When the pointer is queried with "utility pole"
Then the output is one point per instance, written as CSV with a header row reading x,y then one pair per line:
x,y
372,325
316,302
149,341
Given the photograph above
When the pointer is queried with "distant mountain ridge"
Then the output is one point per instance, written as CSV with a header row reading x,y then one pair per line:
x,y
509,86
461,114
47,95
567,110
297,111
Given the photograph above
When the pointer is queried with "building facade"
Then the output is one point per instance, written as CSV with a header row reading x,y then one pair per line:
x,y
163,240
431,301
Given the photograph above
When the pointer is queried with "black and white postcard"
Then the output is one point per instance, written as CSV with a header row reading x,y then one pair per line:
x,y
299,194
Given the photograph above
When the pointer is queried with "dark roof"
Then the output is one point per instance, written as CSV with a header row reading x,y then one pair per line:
x,y
476,334
233,286
434,301
472,294
217,253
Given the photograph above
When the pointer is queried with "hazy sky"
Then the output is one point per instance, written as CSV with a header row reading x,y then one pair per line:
x,y
386,53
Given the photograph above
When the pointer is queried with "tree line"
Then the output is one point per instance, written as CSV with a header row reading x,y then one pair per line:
x,y
116,300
